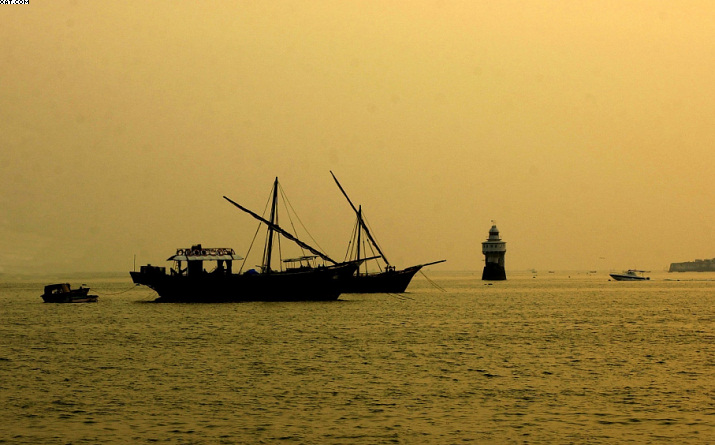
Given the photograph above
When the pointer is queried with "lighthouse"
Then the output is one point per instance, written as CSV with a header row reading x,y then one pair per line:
x,y
494,250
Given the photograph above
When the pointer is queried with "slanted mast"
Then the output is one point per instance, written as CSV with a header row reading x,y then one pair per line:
x,y
274,227
363,226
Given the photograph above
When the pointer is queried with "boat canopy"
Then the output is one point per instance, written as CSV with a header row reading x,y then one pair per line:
x,y
205,258
62,287
205,254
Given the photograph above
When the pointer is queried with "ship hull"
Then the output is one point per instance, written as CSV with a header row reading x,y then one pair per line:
x,y
393,281
320,284
69,298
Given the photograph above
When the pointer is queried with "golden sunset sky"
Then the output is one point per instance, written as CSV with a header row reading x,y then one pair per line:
x,y
586,129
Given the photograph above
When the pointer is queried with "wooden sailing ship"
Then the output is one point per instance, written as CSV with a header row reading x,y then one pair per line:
x,y
302,280
388,279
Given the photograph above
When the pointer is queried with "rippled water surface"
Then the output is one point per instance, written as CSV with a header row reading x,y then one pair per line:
x,y
554,358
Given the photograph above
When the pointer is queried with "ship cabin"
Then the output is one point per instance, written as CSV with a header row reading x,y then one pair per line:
x,y
54,289
195,257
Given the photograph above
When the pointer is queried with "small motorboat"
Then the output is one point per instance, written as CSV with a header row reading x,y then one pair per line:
x,y
63,293
630,275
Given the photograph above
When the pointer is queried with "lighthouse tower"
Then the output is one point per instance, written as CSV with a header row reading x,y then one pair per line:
x,y
494,250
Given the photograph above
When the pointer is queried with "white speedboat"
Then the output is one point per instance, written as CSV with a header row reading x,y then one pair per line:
x,y
630,275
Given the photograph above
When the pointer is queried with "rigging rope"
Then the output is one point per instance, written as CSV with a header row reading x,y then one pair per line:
x,y
280,247
249,249
287,204
255,235
437,286
400,297
116,293
374,237
350,251
365,245
290,212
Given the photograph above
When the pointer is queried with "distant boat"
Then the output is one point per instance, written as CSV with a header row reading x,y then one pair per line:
x,y
63,293
630,275
303,281
389,279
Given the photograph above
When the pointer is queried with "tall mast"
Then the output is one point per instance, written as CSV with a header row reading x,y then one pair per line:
x,y
278,229
360,220
269,247
359,241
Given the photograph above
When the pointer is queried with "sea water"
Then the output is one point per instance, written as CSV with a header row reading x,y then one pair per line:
x,y
537,359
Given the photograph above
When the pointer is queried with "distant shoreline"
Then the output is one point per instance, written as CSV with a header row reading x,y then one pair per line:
x,y
693,266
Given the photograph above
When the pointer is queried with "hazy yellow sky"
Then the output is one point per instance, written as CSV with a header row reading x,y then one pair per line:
x,y
585,129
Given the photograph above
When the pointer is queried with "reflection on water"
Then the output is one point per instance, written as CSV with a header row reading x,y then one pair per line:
x,y
551,359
